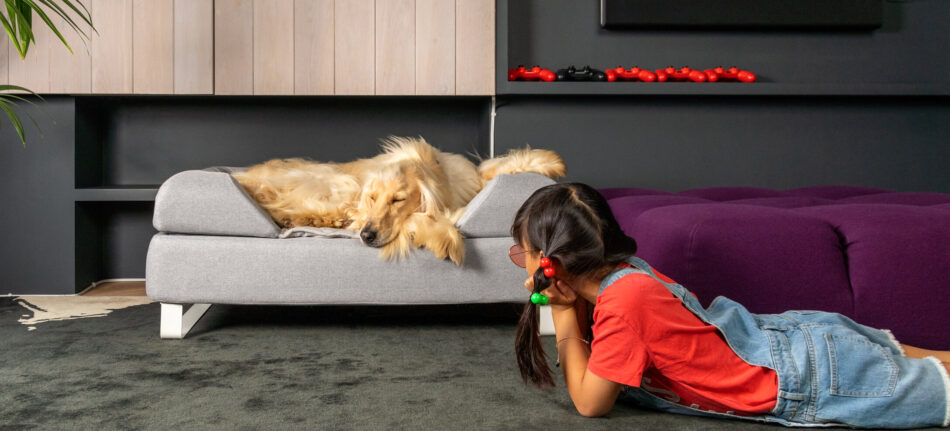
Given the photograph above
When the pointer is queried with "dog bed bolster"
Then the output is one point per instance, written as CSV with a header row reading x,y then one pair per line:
x,y
210,202
492,210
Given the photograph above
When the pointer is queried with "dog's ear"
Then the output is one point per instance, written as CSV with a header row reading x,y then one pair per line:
x,y
430,201
432,197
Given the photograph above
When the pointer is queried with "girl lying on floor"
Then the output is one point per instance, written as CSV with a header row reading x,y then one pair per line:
x,y
649,341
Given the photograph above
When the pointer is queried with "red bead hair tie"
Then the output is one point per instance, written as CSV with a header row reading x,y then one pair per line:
x,y
548,267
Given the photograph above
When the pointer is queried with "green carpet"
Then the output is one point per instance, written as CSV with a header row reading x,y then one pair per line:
x,y
256,367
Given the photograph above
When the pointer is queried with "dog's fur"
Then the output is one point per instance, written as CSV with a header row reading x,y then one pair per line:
x,y
408,196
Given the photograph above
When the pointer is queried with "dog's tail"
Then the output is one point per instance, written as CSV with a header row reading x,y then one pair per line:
x,y
544,162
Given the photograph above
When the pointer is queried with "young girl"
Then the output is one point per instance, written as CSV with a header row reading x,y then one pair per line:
x,y
652,342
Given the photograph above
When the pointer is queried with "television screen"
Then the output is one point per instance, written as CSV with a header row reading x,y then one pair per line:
x,y
754,14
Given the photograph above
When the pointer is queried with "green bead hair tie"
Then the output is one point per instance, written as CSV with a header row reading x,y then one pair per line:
x,y
539,299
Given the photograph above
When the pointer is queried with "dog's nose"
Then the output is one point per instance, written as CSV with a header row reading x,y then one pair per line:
x,y
368,236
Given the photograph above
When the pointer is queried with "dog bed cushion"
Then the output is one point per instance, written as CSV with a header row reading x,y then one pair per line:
x,y
243,270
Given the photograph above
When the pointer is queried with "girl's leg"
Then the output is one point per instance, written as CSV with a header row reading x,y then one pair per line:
x,y
917,352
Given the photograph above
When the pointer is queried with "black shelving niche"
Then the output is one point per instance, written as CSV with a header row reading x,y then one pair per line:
x,y
904,57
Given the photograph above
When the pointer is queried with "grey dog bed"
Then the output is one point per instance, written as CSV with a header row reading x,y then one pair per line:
x,y
217,246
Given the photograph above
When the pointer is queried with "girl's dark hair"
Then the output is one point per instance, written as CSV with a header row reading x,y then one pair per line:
x,y
573,224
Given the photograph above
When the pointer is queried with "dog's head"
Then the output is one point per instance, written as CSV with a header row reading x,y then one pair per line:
x,y
401,185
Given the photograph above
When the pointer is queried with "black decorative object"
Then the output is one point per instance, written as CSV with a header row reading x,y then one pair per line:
x,y
583,74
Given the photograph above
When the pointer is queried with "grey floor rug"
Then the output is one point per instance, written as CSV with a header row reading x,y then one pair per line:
x,y
246,367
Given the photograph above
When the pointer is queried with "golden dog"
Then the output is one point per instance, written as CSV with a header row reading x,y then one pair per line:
x,y
411,195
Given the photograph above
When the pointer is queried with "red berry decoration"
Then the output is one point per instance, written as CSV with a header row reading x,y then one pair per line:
x,y
545,262
549,272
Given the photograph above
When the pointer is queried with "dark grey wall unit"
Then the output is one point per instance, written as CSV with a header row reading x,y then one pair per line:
x,y
674,142
77,202
907,55
36,201
866,108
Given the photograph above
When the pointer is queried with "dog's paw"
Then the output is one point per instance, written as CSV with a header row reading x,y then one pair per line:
x,y
341,223
457,253
450,246
437,234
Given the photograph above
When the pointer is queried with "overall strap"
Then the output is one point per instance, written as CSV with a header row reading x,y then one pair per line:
x,y
641,267
676,288
614,276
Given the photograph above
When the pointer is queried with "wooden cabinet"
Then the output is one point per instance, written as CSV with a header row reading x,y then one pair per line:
x,y
194,46
172,46
153,45
267,47
112,46
475,47
313,47
69,72
435,61
140,47
273,46
355,47
395,49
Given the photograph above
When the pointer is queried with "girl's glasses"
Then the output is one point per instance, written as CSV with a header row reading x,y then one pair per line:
x,y
516,253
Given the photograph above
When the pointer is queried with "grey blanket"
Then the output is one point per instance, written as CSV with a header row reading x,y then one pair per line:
x,y
323,232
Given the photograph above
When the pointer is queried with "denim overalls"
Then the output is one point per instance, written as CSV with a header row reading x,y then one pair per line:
x,y
831,370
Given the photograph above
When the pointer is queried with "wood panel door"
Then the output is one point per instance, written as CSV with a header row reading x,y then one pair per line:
x,y
153,46
70,72
314,47
355,47
172,46
354,30
475,47
267,47
112,46
194,46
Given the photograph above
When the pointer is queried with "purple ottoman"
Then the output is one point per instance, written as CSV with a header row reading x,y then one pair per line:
x,y
879,257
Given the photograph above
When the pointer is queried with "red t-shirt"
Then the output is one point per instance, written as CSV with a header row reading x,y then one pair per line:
x,y
645,337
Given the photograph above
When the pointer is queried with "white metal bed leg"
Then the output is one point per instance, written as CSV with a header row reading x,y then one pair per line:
x,y
547,320
176,322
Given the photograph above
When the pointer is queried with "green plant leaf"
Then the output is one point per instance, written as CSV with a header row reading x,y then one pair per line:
x,y
27,14
65,15
14,120
22,29
11,31
8,87
45,18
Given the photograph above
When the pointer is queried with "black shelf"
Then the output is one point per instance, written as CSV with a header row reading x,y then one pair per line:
x,y
897,59
112,238
718,89
125,193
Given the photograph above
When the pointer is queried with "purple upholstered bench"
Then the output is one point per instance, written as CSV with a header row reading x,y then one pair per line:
x,y
877,256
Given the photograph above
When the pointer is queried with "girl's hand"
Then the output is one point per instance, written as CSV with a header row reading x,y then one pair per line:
x,y
560,295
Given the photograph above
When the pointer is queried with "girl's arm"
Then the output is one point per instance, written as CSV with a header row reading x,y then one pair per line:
x,y
592,395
